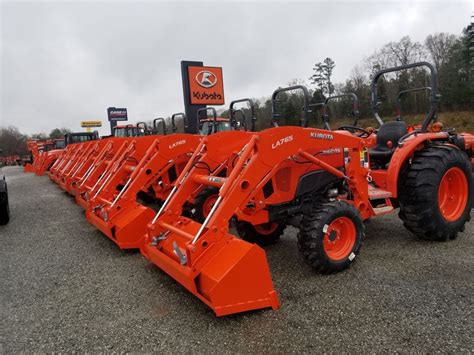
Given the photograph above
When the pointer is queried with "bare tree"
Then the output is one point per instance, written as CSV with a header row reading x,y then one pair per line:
x,y
12,142
358,78
394,54
439,47
406,51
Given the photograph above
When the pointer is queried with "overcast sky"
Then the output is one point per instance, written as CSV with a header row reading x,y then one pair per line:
x,y
64,62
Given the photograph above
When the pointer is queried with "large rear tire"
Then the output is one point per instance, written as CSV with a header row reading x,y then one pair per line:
x,y
330,236
436,193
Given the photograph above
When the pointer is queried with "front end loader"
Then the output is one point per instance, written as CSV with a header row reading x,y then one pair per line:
x,y
150,168
276,175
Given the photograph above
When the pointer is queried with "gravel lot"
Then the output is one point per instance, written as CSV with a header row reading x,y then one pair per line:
x,y
66,287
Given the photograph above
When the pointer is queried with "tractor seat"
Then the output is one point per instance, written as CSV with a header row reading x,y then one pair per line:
x,y
387,140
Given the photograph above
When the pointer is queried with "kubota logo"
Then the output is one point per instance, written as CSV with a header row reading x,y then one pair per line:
x,y
206,79
282,141
325,136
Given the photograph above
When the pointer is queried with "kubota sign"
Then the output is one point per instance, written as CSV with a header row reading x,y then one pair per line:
x,y
206,85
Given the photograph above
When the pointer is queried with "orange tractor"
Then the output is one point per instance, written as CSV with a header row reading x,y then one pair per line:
x,y
48,155
148,167
54,149
324,182
35,147
62,158
76,159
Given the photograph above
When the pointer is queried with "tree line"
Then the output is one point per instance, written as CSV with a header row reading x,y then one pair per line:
x,y
13,142
450,54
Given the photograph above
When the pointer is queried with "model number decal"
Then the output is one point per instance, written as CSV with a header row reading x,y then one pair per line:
x,y
282,141
175,144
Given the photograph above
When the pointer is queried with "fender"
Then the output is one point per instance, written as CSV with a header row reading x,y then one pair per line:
x,y
404,152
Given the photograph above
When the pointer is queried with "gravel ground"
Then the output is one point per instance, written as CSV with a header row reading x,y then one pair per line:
x,y
66,287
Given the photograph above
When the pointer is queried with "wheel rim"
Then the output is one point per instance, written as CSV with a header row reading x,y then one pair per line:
x,y
266,228
207,205
452,194
340,238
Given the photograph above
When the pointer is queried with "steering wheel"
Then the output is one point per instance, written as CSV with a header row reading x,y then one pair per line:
x,y
362,132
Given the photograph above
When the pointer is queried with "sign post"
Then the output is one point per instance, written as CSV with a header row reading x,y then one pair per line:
x,y
116,114
201,86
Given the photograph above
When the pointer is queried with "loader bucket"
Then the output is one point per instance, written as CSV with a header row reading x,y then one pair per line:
x,y
127,228
230,276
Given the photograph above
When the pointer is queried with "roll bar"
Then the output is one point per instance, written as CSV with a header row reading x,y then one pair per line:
x,y
145,128
243,121
316,104
431,116
156,121
403,92
306,110
214,117
233,111
127,127
173,125
355,108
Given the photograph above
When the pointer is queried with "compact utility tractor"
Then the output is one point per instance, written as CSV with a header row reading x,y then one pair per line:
x,y
35,147
45,159
271,178
99,167
116,205
103,150
86,154
324,182
73,145
148,165
425,170
77,159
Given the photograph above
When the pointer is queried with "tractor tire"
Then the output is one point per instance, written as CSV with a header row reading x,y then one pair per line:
x,y
331,236
262,234
203,203
436,193
4,208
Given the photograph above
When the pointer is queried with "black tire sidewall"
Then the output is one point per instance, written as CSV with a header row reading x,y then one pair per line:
x,y
352,214
464,166
419,201
312,244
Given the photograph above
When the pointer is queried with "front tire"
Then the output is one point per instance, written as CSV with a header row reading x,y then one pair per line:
x,y
436,193
204,202
262,234
330,236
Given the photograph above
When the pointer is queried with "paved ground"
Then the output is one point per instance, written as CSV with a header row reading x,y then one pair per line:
x,y
65,287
